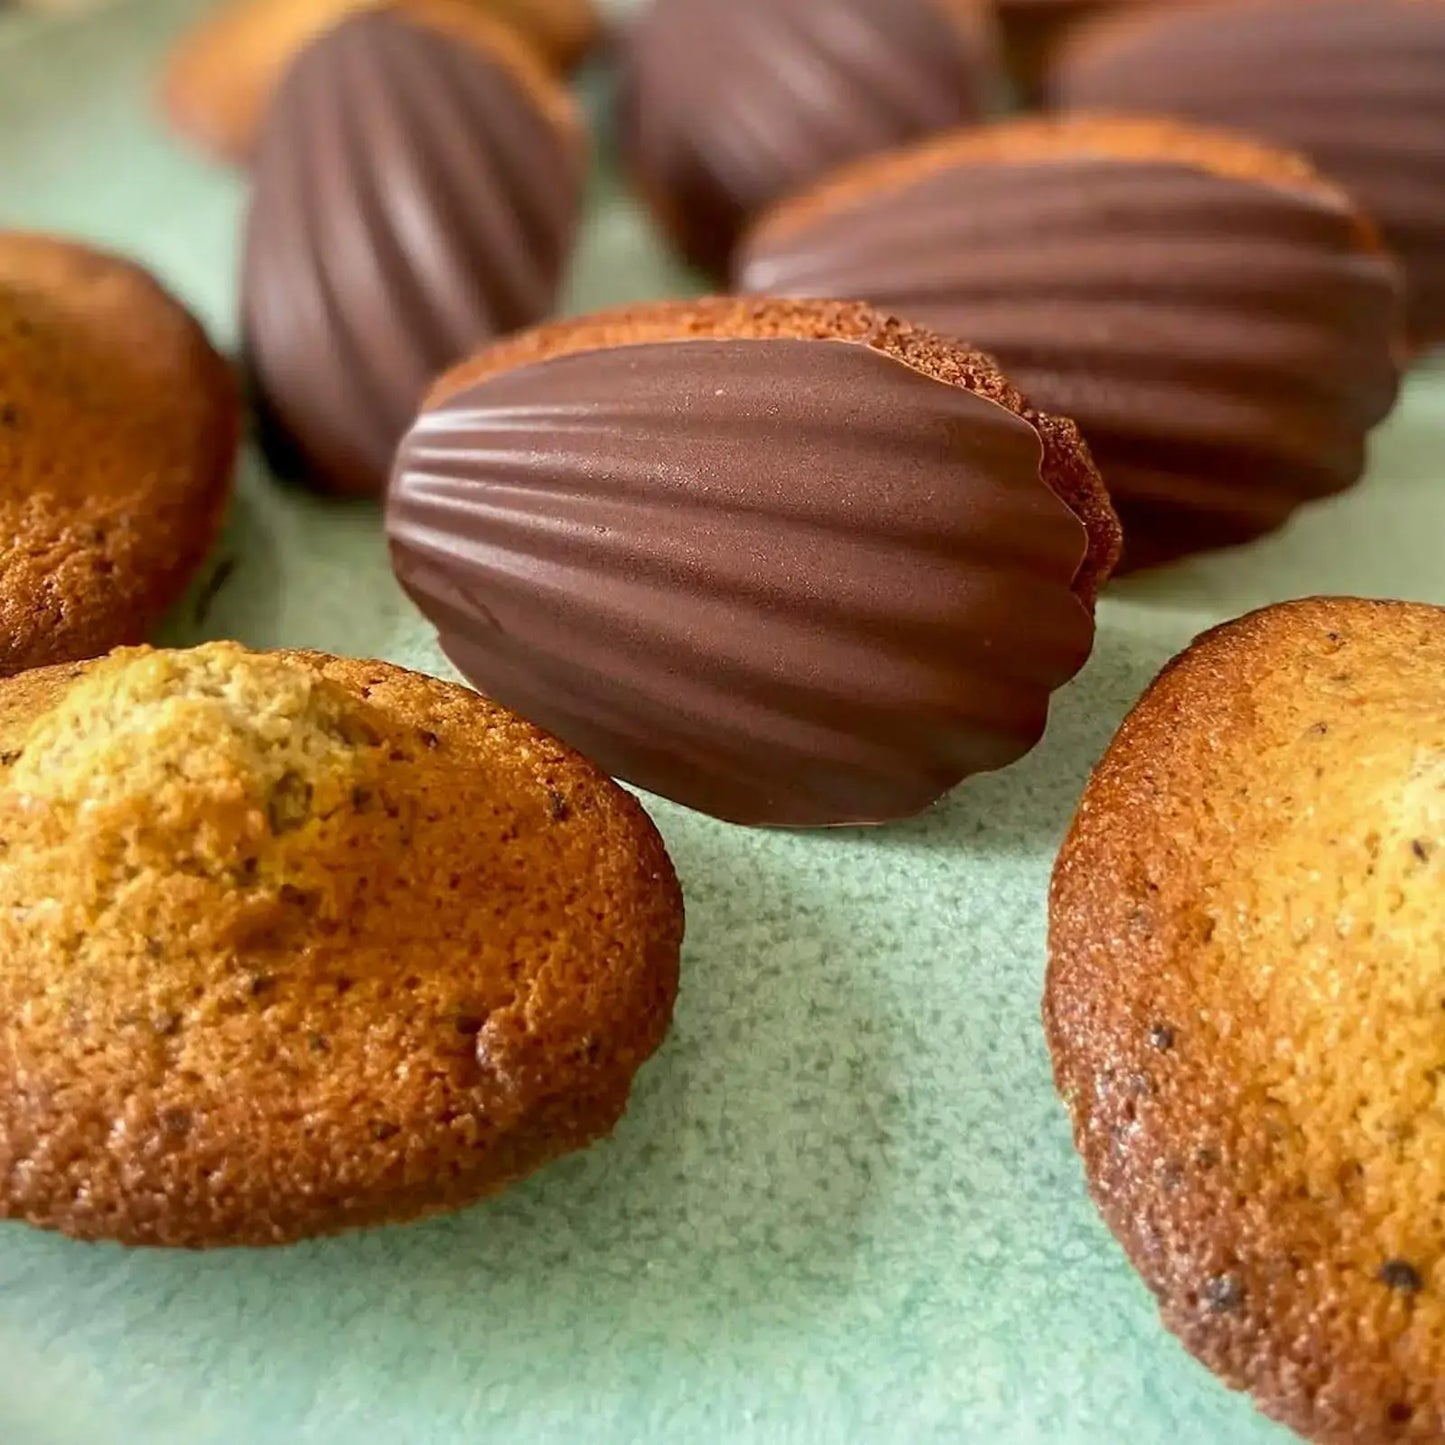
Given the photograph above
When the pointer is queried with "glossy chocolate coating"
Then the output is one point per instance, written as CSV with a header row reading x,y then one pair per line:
x,y
730,105
412,199
1357,85
783,582
1224,345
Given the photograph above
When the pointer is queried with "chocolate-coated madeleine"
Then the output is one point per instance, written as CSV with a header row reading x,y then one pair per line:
x,y
1246,1012
1357,85
794,564
729,105
1221,323
416,194
219,79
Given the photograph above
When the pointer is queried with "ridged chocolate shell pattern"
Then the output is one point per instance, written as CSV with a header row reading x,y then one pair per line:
x,y
411,201
1225,346
1357,85
786,582
729,105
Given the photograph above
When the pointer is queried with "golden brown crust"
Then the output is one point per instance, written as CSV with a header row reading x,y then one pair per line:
x,y
563,32
1110,137
119,425
1067,467
219,78
292,943
1246,1014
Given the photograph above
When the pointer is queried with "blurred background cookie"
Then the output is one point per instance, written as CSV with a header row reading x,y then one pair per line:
x,y
119,426
787,563
56,7
729,105
291,944
1356,85
1032,31
1221,321
221,76
1247,1015
416,194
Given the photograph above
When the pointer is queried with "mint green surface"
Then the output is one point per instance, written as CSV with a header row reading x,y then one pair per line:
x,y
844,1205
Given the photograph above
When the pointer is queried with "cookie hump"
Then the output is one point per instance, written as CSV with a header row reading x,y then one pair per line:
x,y
416,192
1246,1012
292,944
119,428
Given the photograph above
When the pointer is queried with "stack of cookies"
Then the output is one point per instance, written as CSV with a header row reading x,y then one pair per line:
x,y
805,555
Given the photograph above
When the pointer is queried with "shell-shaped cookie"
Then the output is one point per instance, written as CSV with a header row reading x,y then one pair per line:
x,y
1357,85
292,944
1244,1008
729,105
119,426
416,193
787,580
1218,322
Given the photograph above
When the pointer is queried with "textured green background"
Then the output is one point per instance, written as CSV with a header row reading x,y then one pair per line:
x,y
844,1204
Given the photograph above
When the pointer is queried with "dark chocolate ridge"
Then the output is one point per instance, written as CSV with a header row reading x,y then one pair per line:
x,y
1082,583
1068,469
498,40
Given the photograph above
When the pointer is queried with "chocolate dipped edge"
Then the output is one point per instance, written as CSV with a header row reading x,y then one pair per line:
x,y
1079,136
1066,468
